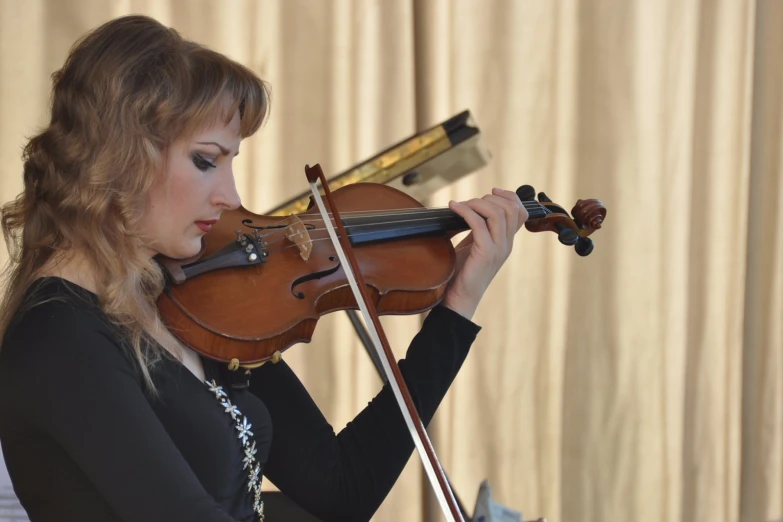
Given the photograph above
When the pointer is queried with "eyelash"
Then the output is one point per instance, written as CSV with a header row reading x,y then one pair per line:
x,y
202,164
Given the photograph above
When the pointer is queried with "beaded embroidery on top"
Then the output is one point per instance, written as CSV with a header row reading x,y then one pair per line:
x,y
245,435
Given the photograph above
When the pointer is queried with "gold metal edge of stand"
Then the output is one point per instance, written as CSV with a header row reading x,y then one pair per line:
x,y
390,164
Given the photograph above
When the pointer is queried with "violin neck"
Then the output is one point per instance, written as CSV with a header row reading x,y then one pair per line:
x,y
402,224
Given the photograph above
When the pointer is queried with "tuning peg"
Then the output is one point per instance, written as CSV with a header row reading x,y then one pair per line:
x,y
526,193
543,198
566,235
584,246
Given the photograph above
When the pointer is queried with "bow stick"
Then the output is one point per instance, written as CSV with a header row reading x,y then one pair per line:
x,y
415,425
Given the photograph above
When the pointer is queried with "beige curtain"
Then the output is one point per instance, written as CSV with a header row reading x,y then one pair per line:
x,y
642,383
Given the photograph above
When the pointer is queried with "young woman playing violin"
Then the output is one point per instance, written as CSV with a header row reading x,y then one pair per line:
x,y
104,414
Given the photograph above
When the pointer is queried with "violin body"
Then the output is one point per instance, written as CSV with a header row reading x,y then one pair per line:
x,y
250,314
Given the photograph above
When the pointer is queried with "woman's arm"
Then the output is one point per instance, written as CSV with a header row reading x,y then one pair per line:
x,y
346,476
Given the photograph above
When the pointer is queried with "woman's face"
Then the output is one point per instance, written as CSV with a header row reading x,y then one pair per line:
x,y
197,187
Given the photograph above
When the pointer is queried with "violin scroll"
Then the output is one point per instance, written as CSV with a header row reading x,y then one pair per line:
x,y
586,217
589,214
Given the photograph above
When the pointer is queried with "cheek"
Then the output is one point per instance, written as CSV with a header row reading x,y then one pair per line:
x,y
183,200
178,208
155,213
167,216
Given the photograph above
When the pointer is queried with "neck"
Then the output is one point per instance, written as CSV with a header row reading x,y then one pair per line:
x,y
71,266
367,227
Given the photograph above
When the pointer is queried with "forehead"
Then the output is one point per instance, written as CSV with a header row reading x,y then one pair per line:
x,y
220,129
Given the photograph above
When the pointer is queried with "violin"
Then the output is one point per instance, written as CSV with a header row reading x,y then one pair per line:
x,y
260,283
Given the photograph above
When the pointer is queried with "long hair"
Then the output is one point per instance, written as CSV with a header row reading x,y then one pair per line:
x,y
128,90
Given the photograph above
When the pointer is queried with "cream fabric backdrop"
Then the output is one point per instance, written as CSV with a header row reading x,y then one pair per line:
x,y
643,383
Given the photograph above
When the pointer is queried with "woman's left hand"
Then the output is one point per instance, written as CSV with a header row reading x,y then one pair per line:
x,y
493,221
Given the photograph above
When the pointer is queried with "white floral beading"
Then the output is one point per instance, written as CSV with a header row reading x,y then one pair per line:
x,y
248,444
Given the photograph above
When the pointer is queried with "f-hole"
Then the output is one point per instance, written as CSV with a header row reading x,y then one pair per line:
x,y
314,275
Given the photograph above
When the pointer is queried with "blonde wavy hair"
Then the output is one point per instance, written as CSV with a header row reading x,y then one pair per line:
x,y
127,91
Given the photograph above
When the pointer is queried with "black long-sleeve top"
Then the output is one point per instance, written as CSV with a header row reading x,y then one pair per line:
x,y
84,440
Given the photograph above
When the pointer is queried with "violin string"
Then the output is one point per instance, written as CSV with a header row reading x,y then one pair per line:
x,y
529,205
357,234
449,218
428,213
316,239
313,240
414,222
283,223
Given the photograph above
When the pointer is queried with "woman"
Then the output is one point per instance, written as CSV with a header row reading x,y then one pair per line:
x,y
104,415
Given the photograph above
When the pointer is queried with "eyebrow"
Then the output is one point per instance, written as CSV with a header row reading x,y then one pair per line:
x,y
223,150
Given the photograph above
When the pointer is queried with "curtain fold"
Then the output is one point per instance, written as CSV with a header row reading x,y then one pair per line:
x,y
762,399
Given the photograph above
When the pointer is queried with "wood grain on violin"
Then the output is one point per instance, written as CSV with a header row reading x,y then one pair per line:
x,y
264,304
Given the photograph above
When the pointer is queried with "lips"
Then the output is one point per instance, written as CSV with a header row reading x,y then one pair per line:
x,y
206,226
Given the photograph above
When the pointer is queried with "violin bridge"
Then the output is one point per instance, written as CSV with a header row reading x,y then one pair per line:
x,y
298,235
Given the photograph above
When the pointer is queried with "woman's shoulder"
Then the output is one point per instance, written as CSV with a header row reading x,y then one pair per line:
x,y
53,301
57,320
58,349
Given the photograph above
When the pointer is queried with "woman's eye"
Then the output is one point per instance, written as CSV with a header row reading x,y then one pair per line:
x,y
202,163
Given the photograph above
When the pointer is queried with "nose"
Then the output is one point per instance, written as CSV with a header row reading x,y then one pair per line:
x,y
225,193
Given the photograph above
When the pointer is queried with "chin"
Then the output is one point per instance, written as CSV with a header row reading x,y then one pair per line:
x,y
192,250
183,251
